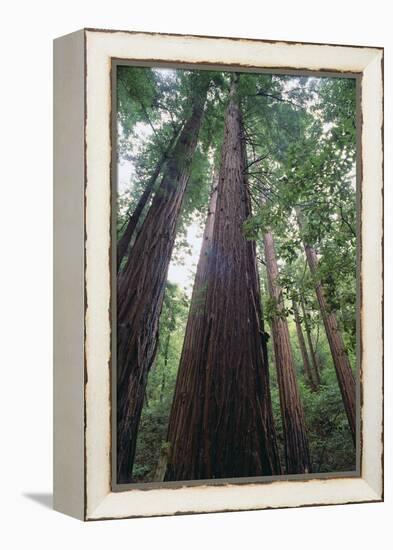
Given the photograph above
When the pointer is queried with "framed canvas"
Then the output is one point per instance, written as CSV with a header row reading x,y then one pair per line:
x,y
218,274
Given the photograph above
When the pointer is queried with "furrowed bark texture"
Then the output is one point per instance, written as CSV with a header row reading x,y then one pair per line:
x,y
345,377
228,430
187,405
125,240
303,349
297,455
141,289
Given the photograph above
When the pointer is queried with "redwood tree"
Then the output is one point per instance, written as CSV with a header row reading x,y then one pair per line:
x,y
125,240
297,456
187,404
345,377
221,422
142,284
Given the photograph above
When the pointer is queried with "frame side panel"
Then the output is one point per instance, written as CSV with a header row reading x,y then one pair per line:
x,y
68,253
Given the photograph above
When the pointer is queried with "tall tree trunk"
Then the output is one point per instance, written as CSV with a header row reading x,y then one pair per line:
x,y
142,285
310,344
345,377
221,422
303,349
297,455
187,404
125,240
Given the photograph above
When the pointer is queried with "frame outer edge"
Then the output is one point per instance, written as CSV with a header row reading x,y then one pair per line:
x,y
69,265
372,273
103,504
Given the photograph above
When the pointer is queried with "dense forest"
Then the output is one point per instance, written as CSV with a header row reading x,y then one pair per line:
x,y
236,274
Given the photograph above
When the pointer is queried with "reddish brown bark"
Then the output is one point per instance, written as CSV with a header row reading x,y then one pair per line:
x,y
187,402
125,240
297,455
142,284
221,421
303,349
345,377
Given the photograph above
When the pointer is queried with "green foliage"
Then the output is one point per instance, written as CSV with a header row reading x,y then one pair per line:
x,y
311,178
136,93
330,440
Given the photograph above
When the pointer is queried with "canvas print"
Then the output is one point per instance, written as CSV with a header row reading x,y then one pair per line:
x,y
235,280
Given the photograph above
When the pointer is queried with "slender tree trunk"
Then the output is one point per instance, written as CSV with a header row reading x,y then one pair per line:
x,y
228,430
318,360
343,369
297,455
163,378
303,349
159,473
310,344
142,285
125,240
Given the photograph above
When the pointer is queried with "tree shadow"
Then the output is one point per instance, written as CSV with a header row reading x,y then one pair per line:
x,y
45,499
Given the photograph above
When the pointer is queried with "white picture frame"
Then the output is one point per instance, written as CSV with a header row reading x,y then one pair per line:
x,y
82,243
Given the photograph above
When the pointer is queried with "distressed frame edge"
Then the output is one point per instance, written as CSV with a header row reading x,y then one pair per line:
x,y
370,496
375,494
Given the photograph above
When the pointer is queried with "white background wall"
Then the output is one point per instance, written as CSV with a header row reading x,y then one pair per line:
x,y
26,304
